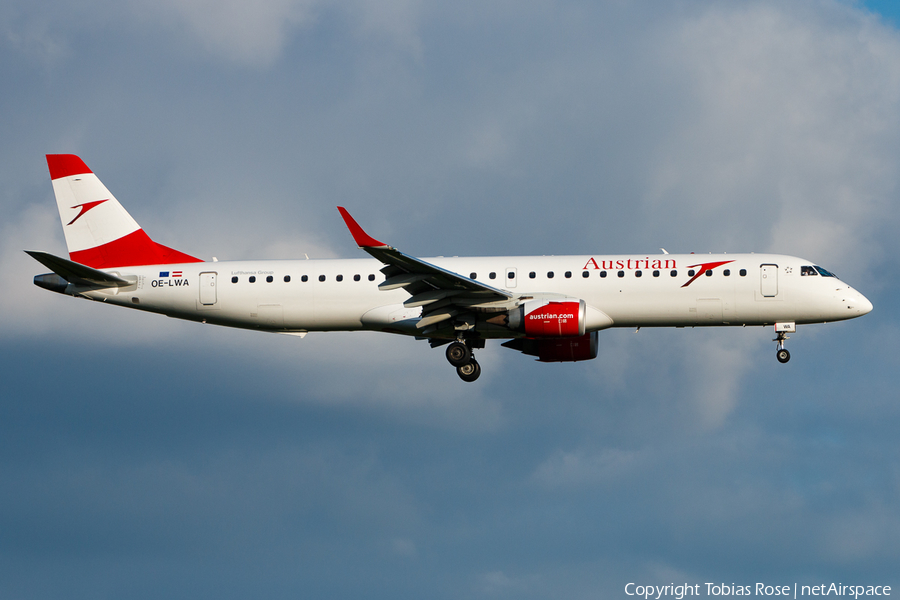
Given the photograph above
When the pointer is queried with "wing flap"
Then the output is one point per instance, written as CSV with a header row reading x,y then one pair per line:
x,y
400,281
429,297
436,317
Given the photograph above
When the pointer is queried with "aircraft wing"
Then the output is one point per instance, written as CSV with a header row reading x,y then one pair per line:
x,y
442,294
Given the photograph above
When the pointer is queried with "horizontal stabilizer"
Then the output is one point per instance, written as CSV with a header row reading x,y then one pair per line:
x,y
76,273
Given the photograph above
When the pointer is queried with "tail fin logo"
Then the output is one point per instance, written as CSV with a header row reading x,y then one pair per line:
x,y
84,208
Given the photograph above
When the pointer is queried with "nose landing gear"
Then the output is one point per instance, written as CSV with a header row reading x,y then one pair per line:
x,y
781,331
783,355
459,354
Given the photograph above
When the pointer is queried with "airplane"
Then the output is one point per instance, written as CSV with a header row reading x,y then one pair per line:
x,y
550,307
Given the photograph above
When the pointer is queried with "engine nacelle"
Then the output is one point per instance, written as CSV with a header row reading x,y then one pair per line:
x,y
570,349
549,318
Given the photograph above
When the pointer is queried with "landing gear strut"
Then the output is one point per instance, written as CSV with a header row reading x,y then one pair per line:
x,y
459,354
781,354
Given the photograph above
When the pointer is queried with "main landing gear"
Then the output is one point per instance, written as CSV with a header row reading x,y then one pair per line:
x,y
459,354
781,331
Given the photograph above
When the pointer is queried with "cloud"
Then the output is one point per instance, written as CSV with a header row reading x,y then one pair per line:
x,y
496,583
252,34
257,35
861,534
464,129
577,468
787,133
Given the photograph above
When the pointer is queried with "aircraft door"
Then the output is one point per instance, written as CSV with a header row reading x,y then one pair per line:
x,y
768,280
208,288
511,277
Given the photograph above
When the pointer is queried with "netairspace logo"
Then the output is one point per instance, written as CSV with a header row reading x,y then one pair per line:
x,y
679,592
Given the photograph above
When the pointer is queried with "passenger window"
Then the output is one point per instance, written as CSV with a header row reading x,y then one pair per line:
x,y
356,278
656,273
492,275
585,274
321,278
371,278
511,275
621,273
602,274
568,274
690,272
637,273
339,278
673,273
252,279
709,272
473,275
234,280
270,279
304,278
726,272
550,275
287,278
743,272
532,275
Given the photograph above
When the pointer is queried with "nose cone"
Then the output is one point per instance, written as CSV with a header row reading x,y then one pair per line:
x,y
864,306
857,304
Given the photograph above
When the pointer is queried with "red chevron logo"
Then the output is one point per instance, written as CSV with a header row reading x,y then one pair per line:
x,y
704,267
84,208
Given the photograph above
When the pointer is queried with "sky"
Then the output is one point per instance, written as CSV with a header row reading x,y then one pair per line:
x,y
143,457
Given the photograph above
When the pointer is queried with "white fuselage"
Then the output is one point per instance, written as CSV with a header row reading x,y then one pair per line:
x,y
632,290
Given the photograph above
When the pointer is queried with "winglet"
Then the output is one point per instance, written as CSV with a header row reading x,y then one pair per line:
x,y
362,239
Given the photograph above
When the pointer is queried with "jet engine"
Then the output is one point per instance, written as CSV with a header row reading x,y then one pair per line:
x,y
567,349
541,318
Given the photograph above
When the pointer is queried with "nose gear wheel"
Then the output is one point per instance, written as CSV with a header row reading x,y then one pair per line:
x,y
782,354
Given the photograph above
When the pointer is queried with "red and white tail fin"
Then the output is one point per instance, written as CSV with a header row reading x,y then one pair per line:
x,y
99,231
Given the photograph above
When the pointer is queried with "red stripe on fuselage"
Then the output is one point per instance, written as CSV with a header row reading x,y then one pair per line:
x,y
134,249
65,165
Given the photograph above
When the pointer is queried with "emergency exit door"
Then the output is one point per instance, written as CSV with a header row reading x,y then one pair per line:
x,y
768,280
208,288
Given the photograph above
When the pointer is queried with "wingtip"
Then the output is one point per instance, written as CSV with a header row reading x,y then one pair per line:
x,y
362,239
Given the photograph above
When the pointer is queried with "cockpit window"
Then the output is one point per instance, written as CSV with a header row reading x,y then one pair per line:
x,y
824,273
806,270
